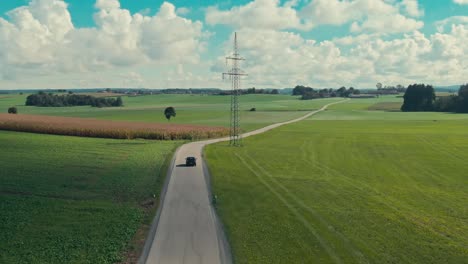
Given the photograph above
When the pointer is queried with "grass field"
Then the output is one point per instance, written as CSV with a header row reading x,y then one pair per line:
x,y
348,186
358,109
82,200
191,109
76,200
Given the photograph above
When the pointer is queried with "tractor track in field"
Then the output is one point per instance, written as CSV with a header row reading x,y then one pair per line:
x,y
349,246
323,243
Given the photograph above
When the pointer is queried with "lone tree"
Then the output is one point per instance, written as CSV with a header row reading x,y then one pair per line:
x,y
169,112
12,110
418,97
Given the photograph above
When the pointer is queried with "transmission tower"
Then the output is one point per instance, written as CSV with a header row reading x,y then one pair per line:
x,y
235,74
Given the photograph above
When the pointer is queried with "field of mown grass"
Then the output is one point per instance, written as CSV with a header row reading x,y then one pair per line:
x,y
358,109
347,190
76,200
191,109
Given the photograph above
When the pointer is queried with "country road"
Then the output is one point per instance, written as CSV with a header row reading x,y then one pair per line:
x,y
186,228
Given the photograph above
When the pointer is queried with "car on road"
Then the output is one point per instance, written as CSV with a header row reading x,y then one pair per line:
x,y
190,161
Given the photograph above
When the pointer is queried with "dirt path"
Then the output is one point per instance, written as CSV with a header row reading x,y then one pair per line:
x,y
186,228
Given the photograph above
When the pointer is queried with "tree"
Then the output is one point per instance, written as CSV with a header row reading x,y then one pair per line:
x,y
12,110
169,112
274,91
418,97
118,102
379,86
341,92
463,99
302,90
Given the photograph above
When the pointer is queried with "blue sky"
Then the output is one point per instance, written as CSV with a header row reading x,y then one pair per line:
x,y
322,43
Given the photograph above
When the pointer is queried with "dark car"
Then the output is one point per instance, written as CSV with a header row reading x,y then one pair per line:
x,y
190,161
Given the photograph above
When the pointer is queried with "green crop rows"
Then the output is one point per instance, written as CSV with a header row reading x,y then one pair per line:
x,y
342,189
74,200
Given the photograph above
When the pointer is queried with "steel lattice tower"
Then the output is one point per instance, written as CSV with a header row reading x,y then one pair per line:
x,y
235,74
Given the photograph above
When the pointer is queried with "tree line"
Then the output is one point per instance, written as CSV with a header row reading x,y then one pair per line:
x,y
53,100
421,97
252,90
308,93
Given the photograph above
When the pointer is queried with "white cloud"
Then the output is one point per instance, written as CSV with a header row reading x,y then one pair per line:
x,y
461,2
383,16
183,11
442,25
411,7
379,16
40,39
284,59
264,14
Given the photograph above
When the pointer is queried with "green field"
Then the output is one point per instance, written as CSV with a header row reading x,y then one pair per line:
x,y
348,186
81,200
363,109
191,109
75,200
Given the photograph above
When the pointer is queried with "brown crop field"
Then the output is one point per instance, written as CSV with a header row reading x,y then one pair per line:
x,y
386,106
84,127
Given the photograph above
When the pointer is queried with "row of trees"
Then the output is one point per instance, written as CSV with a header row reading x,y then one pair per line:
x,y
421,97
54,100
252,90
308,93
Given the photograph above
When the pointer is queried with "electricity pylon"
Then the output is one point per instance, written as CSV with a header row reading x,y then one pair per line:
x,y
235,74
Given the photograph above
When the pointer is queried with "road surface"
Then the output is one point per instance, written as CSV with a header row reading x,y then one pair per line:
x,y
186,228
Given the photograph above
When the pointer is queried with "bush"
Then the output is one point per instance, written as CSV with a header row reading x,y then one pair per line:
x,y
253,109
12,110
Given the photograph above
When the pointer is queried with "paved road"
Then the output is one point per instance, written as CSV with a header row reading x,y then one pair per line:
x,y
187,229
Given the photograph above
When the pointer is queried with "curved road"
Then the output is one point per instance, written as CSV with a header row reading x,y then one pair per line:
x,y
186,228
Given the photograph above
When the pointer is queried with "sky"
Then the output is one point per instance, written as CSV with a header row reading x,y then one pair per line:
x,y
183,43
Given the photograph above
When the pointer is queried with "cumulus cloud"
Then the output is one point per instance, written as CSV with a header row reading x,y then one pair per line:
x,y
442,25
411,7
381,16
265,14
284,59
378,16
461,2
40,38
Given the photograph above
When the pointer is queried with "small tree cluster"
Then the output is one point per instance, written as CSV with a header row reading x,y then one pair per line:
x,y
54,100
12,110
308,93
454,103
418,97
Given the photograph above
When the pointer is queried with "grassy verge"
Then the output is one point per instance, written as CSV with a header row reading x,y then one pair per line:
x,y
76,200
346,191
